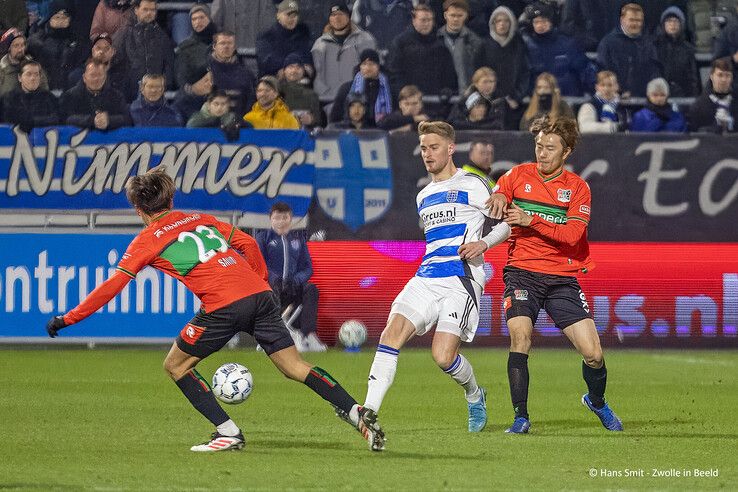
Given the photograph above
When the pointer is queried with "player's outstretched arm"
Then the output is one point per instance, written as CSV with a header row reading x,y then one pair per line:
x,y
500,232
569,233
97,299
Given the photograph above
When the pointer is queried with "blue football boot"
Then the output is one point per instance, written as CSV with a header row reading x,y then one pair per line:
x,y
608,418
478,412
519,426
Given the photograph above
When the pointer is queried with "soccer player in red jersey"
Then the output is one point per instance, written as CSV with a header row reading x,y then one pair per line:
x,y
548,208
224,268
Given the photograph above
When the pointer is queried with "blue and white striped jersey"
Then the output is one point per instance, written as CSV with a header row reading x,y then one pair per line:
x,y
453,213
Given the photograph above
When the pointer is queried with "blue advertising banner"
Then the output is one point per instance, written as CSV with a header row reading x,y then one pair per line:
x,y
68,168
42,275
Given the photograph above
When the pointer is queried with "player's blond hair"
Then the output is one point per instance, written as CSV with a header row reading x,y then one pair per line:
x,y
151,192
440,128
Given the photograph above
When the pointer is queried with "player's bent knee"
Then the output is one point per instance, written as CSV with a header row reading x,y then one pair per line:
x,y
593,358
444,358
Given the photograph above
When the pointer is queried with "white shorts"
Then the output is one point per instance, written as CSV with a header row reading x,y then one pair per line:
x,y
441,302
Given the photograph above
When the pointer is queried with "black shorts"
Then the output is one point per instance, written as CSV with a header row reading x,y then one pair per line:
x,y
527,292
258,315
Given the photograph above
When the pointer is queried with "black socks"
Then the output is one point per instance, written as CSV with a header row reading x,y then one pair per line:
x,y
196,389
328,388
517,374
596,380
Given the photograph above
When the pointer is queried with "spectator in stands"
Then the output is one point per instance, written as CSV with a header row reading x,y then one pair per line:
x,y
355,115
301,99
676,55
290,268
700,14
287,36
479,13
604,113
505,53
370,82
94,104
716,110
13,13
383,19
630,53
229,74
410,113
336,52
480,107
481,156
13,42
418,57
192,53
588,21
151,108
112,17
103,51
463,44
545,100
269,110
57,48
658,115
194,93
246,19
726,44
28,105
554,52
215,113
145,47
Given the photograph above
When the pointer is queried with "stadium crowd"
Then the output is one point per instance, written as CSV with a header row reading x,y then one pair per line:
x,y
387,64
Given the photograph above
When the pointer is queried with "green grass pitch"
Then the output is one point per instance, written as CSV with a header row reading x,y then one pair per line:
x,y
109,419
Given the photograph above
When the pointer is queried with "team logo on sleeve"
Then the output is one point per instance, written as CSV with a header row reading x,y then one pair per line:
x,y
564,195
452,196
584,209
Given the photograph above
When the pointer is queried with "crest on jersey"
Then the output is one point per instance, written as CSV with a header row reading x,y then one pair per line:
x,y
452,196
564,195
353,178
520,294
295,244
528,188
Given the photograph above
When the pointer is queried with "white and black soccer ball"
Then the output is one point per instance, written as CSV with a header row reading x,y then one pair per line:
x,y
352,334
232,383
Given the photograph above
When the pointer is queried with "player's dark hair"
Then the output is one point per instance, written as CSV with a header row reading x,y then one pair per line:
x,y
422,7
151,192
440,128
565,128
280,207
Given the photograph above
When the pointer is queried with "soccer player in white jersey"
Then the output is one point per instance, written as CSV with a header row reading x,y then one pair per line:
x,y
445,291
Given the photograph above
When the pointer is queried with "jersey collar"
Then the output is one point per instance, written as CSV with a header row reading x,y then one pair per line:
x,y
550,178
161,215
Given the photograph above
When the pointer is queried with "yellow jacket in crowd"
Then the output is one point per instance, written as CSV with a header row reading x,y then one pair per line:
x,y
277,117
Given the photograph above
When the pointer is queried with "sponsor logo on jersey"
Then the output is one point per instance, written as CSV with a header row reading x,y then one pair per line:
x,y
191,333
584,209
564,195
528,188
431,219
452,196
520,294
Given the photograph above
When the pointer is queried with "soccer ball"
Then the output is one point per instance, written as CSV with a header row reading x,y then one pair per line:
x,y
352,334
232,383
